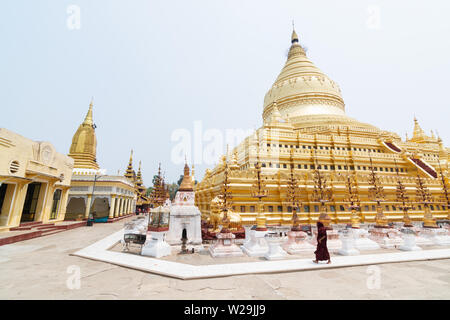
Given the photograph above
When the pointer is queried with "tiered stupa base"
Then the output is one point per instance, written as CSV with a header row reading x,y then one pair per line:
x,y
257,245
438,236
275,251
387,238
225,246
348,244
409,243
156,246
362,241
297,243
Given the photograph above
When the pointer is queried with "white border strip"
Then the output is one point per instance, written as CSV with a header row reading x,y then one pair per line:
x,y
100,251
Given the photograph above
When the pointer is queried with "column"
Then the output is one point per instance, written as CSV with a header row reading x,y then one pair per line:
x,y
63,203
88,206
112,207
129,206
122,203
117,206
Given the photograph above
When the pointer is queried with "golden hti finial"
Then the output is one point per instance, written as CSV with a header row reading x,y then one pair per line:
x,y
293,194
322,192
403,199
376,193
353,198
424,197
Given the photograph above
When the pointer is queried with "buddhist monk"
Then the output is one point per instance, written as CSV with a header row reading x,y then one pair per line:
x,y
322,250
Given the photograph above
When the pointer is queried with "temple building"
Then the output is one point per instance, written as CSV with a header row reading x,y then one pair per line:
x,y
107,197
305,125
34,181
142,201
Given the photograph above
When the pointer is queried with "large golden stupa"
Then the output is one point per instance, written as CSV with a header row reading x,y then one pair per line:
x,y
305,126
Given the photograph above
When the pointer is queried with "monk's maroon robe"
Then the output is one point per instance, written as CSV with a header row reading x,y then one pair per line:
x,y
322,250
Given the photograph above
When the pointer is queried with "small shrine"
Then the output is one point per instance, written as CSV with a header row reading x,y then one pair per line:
x,y
184,215
158,226
225,245
257,246
297,239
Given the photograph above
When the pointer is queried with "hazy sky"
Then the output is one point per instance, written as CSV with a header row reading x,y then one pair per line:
x,y
155,67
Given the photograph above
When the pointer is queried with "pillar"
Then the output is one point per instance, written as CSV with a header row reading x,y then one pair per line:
x,y
116,209
63,204
88,206
112,206
122,203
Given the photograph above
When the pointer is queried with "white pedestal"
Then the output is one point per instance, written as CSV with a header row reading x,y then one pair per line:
x,y
225,247
156,246
275,251
438,236
297,243
247,229
257,246
362,241
348,245
409,243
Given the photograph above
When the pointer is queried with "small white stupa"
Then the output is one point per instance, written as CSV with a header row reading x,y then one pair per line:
x,y
184,214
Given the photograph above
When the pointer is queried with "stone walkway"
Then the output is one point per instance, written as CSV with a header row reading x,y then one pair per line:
x,y
43,268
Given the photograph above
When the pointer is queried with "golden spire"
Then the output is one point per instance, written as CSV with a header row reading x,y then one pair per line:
x,y
294,37
301,89
88,119
129,172
418,134
84,144
186,183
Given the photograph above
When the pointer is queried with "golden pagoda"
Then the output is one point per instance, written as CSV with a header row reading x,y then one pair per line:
x,y
84,144
93,192
304,115
159,193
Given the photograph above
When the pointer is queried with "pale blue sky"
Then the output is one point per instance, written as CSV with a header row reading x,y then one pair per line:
x,y
157,66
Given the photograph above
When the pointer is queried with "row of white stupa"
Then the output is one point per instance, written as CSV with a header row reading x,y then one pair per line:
x,y
185,215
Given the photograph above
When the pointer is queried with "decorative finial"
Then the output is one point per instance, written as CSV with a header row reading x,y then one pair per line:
x,y
294,37
88,119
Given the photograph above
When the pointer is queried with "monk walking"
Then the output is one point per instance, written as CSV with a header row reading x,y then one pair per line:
x,y
322,250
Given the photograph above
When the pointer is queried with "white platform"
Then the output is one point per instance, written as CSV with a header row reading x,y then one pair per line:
x,y
275,251
257,245
99,251
156,246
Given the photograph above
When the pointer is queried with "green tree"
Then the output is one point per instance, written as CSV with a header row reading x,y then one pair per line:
x,y
173,188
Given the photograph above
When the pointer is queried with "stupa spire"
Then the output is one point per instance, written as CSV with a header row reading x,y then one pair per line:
x,y
129,173
88,119
186,183
84,143
294,37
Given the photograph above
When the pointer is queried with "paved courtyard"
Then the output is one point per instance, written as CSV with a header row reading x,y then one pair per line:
x,y
43,268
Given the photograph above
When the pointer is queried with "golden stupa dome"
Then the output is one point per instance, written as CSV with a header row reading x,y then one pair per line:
x,y
302,88
84,144
306,96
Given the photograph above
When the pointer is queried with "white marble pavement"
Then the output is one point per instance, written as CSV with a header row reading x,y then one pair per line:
x,y
100,251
